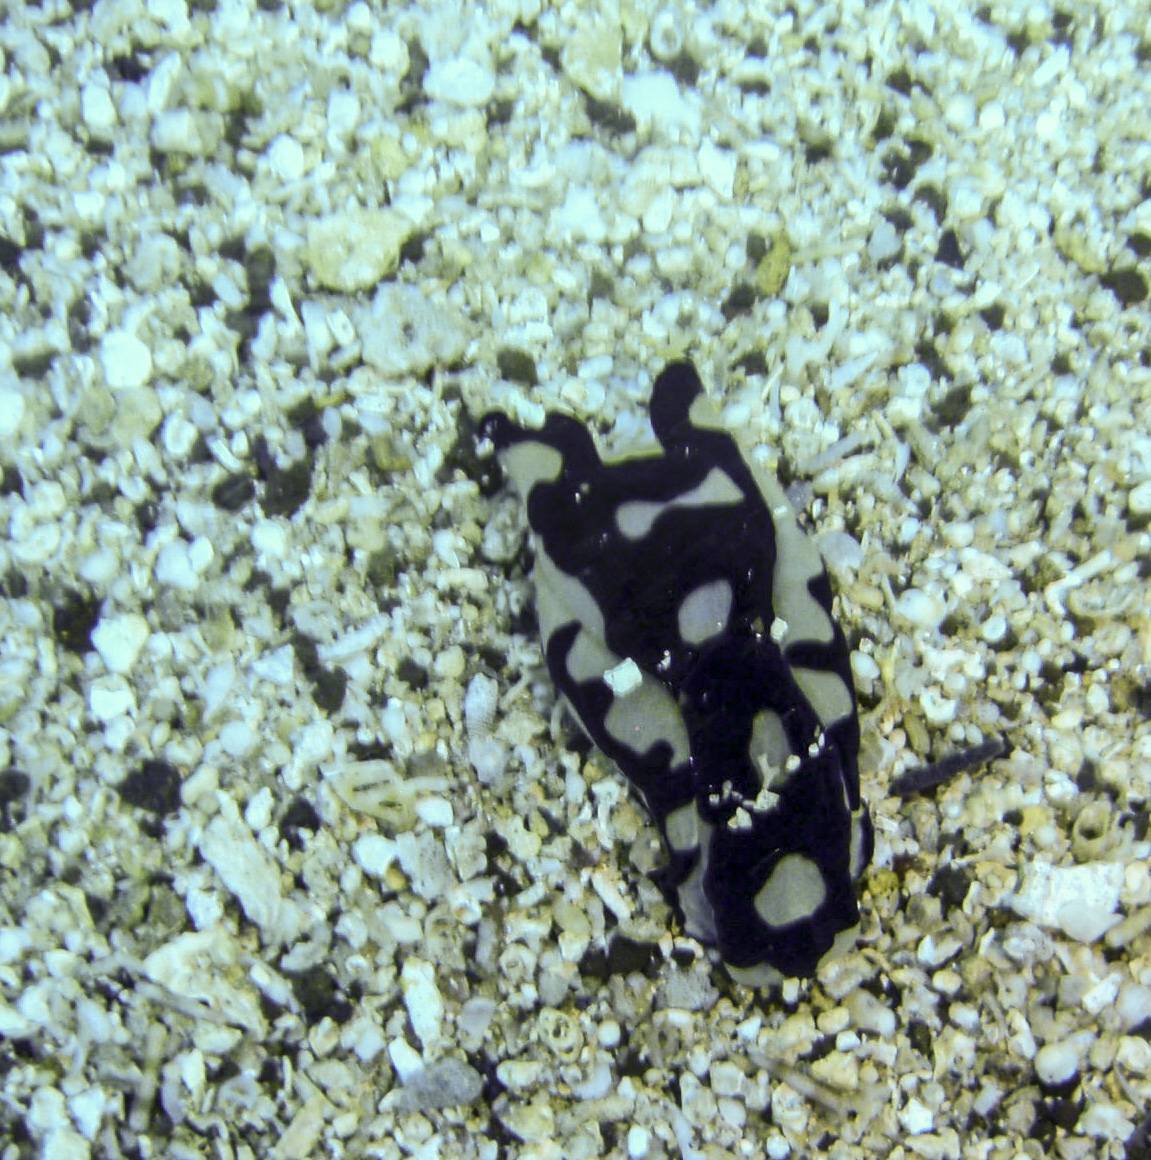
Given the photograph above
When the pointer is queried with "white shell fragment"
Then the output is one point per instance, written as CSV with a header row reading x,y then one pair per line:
x,y
1078,900
246,870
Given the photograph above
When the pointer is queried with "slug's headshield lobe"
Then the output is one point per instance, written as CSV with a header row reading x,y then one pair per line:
x,y
675,390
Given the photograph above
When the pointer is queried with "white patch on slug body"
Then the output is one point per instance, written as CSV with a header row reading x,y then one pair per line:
x,y
826,693
529,463
589,658
794,891
855,858
561,598
768,748
636,517
646,717
797,560
682,828
698,916
704,612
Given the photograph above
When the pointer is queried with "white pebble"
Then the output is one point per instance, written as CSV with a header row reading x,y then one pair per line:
x,y
994,628
119,640
916,1118
237,739
450,663
717,168
286,158
88,1108
966,201
374,854
519,1074
864,666
178,435
394,723
1105,1121
355,248
11,410
180,564
992,117
884,242
46,1110
937,709
110,697
405,1059
660,211
1056,1063
14,941
959,111
460,81
870,1014
177,131
1139,499
609,1033
218,683
475,1017
270,539
1101,996
726,1078
422,999
31,540
64,1143
654,97
435,811
1134,1054
480,703
960,534
343,114
1133,1005
579,217
934,950
96,107
258,811
592,56
638,1142
489,758
922,609
625,678
423,860
389,53
125,360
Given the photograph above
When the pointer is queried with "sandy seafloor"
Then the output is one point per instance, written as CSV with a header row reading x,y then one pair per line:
x,y
267,889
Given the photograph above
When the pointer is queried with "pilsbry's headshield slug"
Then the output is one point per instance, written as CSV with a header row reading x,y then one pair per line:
x,y
687,621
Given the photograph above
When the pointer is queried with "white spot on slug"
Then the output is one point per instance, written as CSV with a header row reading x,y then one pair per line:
x,y
794,891
705,611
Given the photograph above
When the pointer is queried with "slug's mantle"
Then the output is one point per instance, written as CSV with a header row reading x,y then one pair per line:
x,y
687,621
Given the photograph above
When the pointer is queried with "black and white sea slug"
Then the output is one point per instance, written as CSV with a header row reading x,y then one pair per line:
x,y
687,621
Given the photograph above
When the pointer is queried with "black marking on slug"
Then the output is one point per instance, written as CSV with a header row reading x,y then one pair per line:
x,y
687,621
